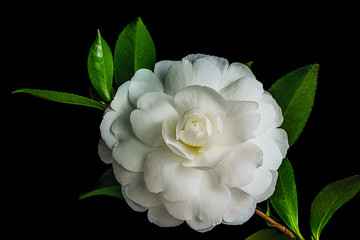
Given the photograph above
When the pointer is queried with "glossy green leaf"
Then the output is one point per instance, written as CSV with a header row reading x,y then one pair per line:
x,y
295,94
329,200
284,200
101,67
134,50
268,234
62,97
106,185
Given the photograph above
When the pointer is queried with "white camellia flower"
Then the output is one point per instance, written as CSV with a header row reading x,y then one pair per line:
x,y
197,140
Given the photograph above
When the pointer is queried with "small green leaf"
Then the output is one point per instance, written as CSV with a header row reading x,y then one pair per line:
x,y
268,234
134,50
284,200
106,185
101,67
295,94
329,200
249,64
62,97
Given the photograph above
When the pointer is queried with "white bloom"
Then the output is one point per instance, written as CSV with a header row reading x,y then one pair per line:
x,y
196,140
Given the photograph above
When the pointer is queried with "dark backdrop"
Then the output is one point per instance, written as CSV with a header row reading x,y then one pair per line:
x,y
50,154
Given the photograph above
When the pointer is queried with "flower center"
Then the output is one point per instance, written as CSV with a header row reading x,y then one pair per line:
x,y
198,129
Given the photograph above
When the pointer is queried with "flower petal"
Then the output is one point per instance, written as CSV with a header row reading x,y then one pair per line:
x,y
161,68
169,136
183,73
121,100
243,89
208,205
269,191
271,153
164,173
154,108
280,137
105,152
203,98
131,203
279,117
105,127
124,176
121,126
267,117
131,154
240,122
260,183
142,82
138,193
120,106
210,158
238,169
160,216
178,76
203,226
213,199
234,72
241,208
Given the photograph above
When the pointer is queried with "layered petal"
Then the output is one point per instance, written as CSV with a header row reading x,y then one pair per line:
x,y
240,122
165,173
238,170
105,127
131,154
280,137
121,100
241,208
142,82
269,191
201,98
146,121
137,192
208,205
162,218
267,98
234,72
120,106
183,73
272,155
203,226
161,69
243,89
124,176
267,117
209,159
121,126
131,203
221,63
260,183
169,136
105,152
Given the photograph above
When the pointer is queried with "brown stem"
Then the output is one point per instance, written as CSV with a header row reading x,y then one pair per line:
x,y
275,224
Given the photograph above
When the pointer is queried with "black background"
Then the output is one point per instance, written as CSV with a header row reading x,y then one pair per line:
x,y
50,153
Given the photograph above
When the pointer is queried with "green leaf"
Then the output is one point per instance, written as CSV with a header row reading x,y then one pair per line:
x,y
249,64
106,185
295,94
268,234
284,200
329,200
134,50
101,67
62,97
